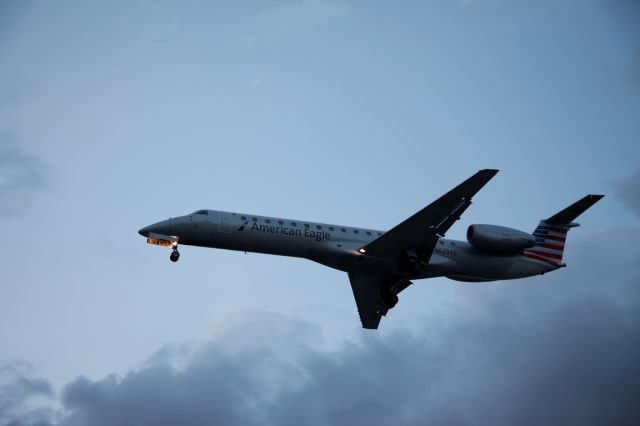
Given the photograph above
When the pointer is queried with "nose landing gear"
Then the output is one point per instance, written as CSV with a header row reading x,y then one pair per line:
x,y
175,255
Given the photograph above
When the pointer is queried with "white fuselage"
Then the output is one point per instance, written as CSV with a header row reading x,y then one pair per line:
x,y
337,246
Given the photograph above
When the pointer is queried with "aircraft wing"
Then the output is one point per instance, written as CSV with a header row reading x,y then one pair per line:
x,y
367,292
421,231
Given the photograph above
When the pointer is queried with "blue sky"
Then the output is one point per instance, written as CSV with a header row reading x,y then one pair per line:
x,y
116,115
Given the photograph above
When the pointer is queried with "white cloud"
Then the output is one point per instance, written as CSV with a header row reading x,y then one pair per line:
x,y
257,81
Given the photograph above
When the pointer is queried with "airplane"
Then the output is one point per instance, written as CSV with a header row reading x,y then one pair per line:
x,y
381,265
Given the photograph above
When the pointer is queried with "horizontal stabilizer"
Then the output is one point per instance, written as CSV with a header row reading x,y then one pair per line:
x,y
566,216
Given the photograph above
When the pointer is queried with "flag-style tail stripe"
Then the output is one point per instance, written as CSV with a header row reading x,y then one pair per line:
x,y
546,250
545,254
551,229
551,246
543,232
540,258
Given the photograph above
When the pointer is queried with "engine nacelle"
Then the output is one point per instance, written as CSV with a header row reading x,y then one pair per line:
x,y
499,238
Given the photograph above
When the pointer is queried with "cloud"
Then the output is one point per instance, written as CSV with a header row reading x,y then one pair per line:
x,y
628,191
21,175
18,390
257,81
558,349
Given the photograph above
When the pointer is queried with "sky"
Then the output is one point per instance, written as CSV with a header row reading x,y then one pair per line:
x,y
115,115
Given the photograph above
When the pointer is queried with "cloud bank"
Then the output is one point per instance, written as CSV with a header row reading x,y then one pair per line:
x,y
18,390
560,349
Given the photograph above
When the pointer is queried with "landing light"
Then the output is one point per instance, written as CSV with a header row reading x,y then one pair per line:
x,y
362,250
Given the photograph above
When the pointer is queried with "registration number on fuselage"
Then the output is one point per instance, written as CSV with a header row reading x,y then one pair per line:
x,y
445,251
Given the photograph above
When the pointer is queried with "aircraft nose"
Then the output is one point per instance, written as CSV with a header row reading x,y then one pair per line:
x,y
145,231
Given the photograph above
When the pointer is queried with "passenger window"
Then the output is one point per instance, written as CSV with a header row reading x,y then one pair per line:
x,y
306,225
267,221
253,219
294,224
355,231
280,222
243,217
331,228
379,233
343,230
440,242
368,232
318,227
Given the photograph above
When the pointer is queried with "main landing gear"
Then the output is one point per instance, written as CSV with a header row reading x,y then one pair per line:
x,y
415,267
175,255
390,300
389,293
412,262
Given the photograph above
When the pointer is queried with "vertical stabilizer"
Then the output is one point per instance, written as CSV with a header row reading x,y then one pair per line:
x,y
551,233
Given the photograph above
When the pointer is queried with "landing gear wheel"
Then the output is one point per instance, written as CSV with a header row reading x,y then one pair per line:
x,y
174,256
416,267
390,300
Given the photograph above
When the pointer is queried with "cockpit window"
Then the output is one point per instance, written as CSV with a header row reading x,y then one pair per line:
x,y
202,212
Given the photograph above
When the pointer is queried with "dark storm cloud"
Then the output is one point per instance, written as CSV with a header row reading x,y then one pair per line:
x,y
21,174
628,191
17,389
558,349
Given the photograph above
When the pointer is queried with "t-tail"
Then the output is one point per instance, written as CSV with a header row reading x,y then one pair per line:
x,y
551,233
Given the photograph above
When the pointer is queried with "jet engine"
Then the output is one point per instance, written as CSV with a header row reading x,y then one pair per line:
x,y
499,238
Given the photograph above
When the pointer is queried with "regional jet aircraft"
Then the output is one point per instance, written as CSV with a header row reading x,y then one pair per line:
x,y
381,264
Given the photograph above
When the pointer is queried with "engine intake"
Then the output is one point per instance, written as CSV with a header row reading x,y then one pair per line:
x,y
499,238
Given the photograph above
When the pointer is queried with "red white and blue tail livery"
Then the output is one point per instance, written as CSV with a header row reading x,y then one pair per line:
x,y
549,243
551,234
